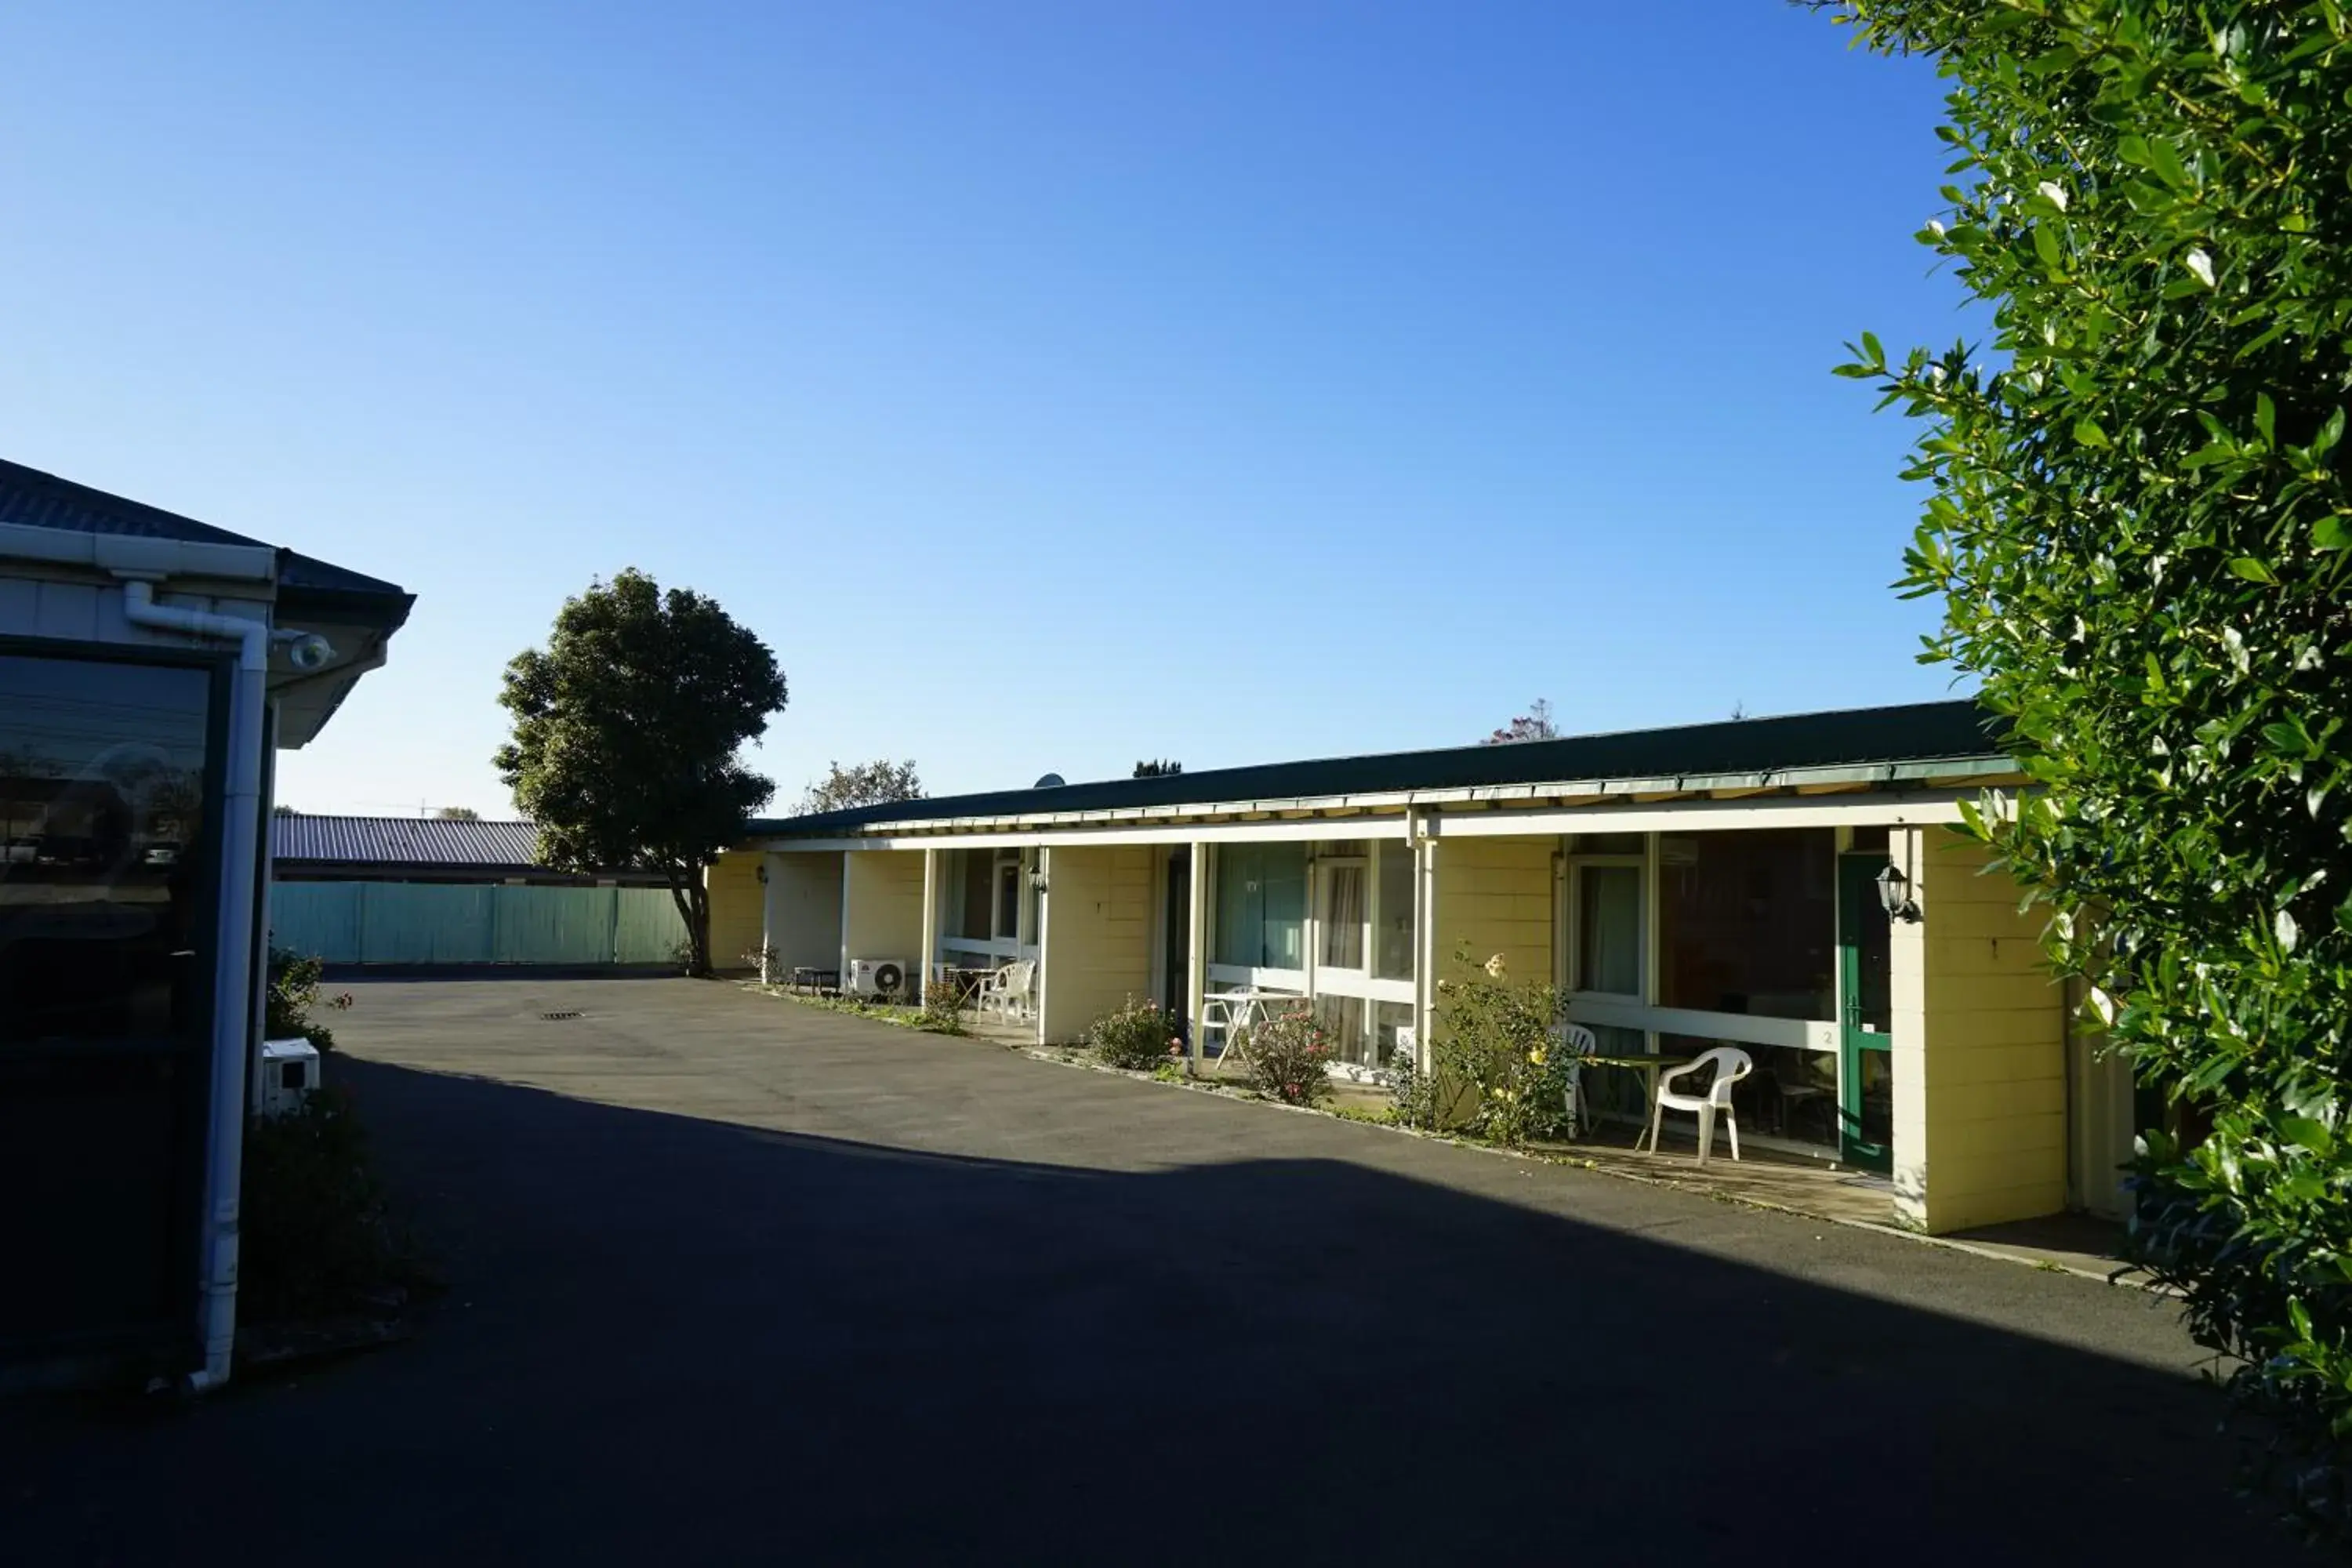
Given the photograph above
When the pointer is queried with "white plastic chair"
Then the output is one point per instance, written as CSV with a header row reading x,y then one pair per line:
x,y
1576,1042
1007,991
1731,1064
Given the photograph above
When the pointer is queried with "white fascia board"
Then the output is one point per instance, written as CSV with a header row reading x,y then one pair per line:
x,y
1878,774
1322,827
1893,809
136,556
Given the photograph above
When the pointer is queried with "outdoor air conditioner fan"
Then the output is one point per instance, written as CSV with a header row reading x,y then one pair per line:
x,y
876,977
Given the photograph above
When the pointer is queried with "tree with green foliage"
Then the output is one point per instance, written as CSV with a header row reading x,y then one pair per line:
x,y
2139,530
875,783
626,730
1157,768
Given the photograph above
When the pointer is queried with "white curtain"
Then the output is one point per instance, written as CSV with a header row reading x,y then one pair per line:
x,y
1343,917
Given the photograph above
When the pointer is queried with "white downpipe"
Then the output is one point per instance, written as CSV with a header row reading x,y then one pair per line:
x,y
232,968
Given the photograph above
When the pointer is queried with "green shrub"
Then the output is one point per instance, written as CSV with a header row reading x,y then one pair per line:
x,y
944,1000
316,1236
2141,534
1290,1057
1496,1071
1138,1037
294,980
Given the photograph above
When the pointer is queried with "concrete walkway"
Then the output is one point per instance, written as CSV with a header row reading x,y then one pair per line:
x,y
738,1280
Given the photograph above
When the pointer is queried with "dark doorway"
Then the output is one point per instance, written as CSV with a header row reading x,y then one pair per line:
x,y
1178,924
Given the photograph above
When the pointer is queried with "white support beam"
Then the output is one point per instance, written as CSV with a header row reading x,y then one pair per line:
x,y
1196,966
930,946
1425,958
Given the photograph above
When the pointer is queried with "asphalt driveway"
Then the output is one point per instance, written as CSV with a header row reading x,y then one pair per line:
x,y
735,1280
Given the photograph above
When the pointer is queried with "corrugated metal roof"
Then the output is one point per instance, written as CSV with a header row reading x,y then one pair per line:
x,y
34,500
1854,737
402,841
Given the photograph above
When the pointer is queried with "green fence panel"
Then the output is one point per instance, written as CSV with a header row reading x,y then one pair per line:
x,y
552,925
424,923
464,924
647,929
320,919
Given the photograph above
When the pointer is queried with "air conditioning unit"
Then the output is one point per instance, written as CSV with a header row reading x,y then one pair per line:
x,y
290,1071
877,977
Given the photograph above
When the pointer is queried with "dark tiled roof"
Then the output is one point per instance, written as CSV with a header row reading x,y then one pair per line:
x,y
1854,737
402,841
306,584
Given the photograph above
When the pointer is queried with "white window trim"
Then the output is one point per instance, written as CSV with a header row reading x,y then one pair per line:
x,y
1571,926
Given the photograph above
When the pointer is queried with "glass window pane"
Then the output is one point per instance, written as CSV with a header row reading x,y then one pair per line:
x,y
1609,930
1608,844
1261,905
1008,897
102,772
1342,1019
1392,953
1388,1017
973,866
1792,1094
1342,922
1747,922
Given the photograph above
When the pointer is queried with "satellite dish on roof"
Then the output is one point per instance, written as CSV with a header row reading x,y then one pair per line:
x,y
1051,780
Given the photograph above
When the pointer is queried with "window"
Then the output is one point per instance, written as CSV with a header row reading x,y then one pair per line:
x,y
1261,905
1393,942
1793,1095
1607,929
1340,921
1008,898
1747,922
104,898
972,869
1342,1019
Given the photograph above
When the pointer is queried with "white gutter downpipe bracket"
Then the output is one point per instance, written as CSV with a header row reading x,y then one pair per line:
x,y
233,967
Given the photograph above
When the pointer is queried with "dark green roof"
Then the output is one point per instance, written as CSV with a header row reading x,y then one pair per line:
x,y
307,587
1850,738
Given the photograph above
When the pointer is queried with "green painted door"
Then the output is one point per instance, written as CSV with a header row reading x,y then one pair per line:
x,y
1866,1017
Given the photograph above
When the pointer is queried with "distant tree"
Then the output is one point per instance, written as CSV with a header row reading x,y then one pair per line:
x,y
1535,724
1739,710
458,814
282,809
626,727
1158,770
863,784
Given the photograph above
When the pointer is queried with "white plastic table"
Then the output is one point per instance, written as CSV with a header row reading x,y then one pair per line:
x,y
1242,1010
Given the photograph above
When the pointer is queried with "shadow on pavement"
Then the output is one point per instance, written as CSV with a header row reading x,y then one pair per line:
x,y
670,1340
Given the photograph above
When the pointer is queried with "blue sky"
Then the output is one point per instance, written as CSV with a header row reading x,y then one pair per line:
x,y
1051,386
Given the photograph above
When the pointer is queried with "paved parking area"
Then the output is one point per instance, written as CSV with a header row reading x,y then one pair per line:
x,y
738,1280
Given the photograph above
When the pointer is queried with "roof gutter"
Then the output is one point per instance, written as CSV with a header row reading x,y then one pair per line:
x,y
134,554
1629,790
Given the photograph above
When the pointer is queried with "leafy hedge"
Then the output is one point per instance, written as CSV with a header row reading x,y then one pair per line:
x,y
2139,527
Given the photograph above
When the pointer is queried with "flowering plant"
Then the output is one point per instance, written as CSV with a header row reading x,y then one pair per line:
x,y
1290,1057
1137,1035
1495,1071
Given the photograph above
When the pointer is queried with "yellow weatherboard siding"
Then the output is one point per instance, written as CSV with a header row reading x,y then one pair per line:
x,y
1979,1048
1097,946
1495,896
882,908
738,918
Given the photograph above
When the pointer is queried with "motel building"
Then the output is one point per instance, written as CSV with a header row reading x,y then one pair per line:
x,y
1792,886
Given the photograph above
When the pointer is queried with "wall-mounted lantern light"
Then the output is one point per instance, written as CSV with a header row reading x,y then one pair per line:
x,y
1895,894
